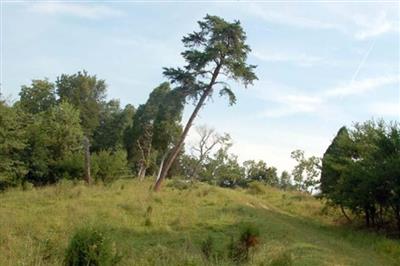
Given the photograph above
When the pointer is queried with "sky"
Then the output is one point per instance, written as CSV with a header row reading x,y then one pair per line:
x,y
320,65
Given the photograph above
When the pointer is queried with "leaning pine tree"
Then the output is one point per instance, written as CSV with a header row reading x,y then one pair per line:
x,y
215,53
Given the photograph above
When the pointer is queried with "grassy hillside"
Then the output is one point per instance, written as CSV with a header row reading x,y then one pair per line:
x,y
167,228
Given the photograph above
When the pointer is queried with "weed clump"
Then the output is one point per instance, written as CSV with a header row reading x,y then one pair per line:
x,y
147,221
239,250
179,184
89,246
207,247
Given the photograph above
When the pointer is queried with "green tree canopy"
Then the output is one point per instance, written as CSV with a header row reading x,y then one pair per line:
x,y
12,143
38,97
87,93
155,127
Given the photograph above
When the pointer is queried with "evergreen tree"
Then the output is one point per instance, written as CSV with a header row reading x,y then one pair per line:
x,y
218,49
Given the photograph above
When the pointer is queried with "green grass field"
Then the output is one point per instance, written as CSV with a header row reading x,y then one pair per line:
x,y
167,228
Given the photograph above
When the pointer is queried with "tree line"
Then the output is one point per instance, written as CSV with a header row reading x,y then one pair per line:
x,y
42,138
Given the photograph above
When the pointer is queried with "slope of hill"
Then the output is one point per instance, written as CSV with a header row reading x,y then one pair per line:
x,y
167,228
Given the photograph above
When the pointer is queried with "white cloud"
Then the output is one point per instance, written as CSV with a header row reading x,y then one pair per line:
x,y
374,27
90,11
362,86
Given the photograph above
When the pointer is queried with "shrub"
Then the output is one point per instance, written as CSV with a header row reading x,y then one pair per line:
x,y
89,247
71,166
107,165
27,186
239,250
207,247
256,188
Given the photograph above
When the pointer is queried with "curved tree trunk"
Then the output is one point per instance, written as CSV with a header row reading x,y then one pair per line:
x,y
175,151
345,214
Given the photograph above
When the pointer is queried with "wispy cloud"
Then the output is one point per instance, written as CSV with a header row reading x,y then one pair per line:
x,y
361,22
362,86
293,101
89,11
288,18
373,27
294,104
300,59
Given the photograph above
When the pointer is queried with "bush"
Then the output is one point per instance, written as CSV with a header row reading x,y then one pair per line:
x,y
107,165
27,186
89,247
256,188
71,166
239,250
207,247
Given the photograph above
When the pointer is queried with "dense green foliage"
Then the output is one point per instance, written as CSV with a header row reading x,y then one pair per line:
x,y
53,136
109,165
12,144
155,127
361,170
260,172
87,94
41,135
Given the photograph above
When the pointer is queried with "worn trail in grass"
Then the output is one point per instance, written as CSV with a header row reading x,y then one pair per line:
x,y
167,228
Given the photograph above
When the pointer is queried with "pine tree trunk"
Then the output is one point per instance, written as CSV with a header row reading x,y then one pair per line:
x,y
86,146
175,151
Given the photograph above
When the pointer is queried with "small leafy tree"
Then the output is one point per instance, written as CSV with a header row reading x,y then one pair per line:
x,y
284,180
261,172
218,49
223,167
208,140
52,137
108,165
306,172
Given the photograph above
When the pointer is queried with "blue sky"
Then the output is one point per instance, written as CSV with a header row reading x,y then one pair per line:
x,y
320,65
